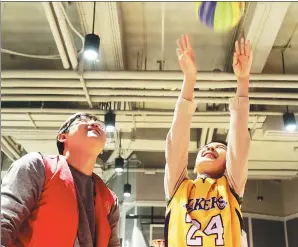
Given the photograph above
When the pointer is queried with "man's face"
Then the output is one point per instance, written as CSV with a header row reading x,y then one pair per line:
x,y
85,134
211,160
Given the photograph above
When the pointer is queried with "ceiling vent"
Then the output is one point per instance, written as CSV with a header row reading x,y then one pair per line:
x,y
273,127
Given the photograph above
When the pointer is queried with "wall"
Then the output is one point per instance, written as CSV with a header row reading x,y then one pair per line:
x,y
150,187
268,233
290,199
271,191
290,196
292,226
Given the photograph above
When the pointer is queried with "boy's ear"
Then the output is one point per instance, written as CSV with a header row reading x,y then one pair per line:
x,y
62,137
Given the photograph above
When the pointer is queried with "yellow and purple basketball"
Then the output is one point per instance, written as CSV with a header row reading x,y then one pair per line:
x,y
220,16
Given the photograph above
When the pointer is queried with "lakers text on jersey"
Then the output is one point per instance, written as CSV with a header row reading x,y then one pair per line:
x,y
203,212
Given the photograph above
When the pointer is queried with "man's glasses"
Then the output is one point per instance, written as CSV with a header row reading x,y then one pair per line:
x,y
90,120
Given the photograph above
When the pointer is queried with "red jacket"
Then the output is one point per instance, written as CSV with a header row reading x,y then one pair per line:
x,y
54,223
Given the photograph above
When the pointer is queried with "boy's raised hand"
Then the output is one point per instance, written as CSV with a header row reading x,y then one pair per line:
x,y
186,57
242,58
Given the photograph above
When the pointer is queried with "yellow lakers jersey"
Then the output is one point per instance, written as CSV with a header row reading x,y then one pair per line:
x,y
203,212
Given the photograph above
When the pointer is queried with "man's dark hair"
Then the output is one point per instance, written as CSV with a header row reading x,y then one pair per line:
x,y
65,127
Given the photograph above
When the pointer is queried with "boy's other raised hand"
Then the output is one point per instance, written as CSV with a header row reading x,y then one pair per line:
x,y
242,60
186,57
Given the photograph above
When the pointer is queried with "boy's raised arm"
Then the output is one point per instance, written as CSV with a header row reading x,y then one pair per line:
x,y
239,139
177,142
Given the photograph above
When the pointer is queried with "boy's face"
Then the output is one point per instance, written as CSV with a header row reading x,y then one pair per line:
x,y
211,160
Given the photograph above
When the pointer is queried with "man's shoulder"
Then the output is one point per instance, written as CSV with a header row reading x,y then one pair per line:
x,y
29,159
29,166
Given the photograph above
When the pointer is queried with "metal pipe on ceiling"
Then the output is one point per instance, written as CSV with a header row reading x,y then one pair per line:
x,y
85,91
8,154
252,173
144,93
68,111
70,47
162,35
13,127
138,75
56,34
146,84
70,98
167,75
42,118
39,74
22,127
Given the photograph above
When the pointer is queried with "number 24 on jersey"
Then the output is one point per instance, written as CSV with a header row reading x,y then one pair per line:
x,y
214,227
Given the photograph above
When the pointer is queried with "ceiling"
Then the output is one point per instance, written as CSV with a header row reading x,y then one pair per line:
x,y
38,94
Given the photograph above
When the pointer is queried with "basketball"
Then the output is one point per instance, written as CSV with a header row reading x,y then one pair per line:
x,y
220,16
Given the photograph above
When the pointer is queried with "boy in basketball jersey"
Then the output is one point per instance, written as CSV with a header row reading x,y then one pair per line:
x,y
206,211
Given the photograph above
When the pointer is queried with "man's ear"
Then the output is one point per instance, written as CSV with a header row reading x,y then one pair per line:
x,y
62,137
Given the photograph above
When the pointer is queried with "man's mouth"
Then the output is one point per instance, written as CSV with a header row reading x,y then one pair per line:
x,y
96,131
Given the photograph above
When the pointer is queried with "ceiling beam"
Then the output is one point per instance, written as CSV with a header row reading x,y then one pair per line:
x,y
254,171
263,29
140,76
67,36
109,26
210,135
49,146
203,137
56,34
12,127
9,148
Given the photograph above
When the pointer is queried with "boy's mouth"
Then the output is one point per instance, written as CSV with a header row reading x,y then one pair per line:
x,y
209,154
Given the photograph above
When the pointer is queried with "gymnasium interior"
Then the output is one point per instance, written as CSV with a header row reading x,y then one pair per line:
x,y
44,79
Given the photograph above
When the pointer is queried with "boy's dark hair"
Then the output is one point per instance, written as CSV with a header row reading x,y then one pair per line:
x,y
219,141
65,127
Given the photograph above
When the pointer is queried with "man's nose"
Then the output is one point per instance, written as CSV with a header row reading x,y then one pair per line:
x,y
210,148
94,125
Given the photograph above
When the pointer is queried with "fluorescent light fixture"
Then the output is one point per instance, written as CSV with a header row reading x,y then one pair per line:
x,y
110,120
91,46
127,190
119,164
289,121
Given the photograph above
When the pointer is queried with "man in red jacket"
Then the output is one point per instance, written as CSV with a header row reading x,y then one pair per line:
x,y
35,182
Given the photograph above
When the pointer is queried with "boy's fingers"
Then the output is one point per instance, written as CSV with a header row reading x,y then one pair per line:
x,y
178,52
235,58
183,43
179,45
247,48
237,47
242,51
250,58
187,42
